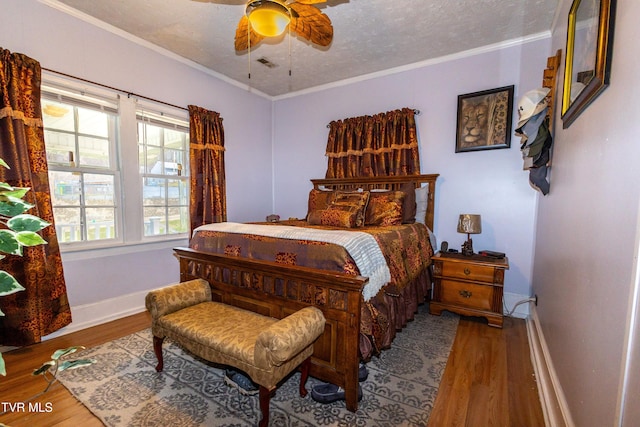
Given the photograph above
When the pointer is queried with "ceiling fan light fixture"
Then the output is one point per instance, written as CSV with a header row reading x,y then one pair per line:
x,y
268,18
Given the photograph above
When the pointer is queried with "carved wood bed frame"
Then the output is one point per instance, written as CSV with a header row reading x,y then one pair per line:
x,y
278,290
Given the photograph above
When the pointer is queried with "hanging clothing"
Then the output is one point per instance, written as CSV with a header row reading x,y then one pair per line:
x,y
536,142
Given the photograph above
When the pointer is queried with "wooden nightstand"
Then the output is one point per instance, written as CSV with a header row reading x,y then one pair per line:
x,y
470,286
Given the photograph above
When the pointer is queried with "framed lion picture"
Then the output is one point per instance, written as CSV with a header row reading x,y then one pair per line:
x,y
484,120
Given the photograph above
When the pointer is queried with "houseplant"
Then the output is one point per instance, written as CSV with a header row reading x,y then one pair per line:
x,y
19,230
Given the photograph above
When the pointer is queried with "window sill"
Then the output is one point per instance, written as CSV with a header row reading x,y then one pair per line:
x,y
80,253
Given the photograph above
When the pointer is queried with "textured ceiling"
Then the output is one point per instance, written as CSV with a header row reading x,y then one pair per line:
x,y
369,35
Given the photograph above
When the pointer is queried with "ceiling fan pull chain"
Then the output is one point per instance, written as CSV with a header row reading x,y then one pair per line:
x,y
289,27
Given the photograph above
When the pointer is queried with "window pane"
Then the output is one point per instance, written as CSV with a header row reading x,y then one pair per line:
x,y
83,193
59,145
177,192
91,122
56,115
101,223
65,189
94,152
141,160
154,160
98,190
173,158
178,220
154,221
153,192
152,135
163,154
68,224
173,139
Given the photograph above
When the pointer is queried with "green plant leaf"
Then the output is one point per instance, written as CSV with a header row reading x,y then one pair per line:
x,y
29,238
44,368
3,370
26,222
9,243
8,284
12,206
75,364
64,351
5,187
3,163
17,192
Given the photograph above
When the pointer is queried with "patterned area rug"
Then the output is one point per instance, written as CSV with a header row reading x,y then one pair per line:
x,y
123,388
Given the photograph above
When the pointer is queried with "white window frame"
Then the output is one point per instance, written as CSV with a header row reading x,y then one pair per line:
x,y
69,95
165,119
127,178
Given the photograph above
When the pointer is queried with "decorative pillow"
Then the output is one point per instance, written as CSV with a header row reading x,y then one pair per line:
x,y
319,200
422,195
409,203
353,201
385,208
335,216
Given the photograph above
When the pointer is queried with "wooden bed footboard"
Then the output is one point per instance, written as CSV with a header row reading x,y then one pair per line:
x,y
278,290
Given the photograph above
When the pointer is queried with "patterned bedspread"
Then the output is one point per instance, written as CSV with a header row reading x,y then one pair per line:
x,y
406,248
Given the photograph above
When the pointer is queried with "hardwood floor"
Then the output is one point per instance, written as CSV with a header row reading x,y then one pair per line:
x,y
488,380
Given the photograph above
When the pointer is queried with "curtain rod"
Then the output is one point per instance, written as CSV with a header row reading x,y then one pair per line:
x,y
415,111
129,94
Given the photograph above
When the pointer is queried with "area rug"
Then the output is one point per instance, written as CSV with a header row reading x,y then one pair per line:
x,y
123,388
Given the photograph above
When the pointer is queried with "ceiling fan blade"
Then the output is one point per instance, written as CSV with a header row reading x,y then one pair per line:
x,y
311,24
311,1
242,41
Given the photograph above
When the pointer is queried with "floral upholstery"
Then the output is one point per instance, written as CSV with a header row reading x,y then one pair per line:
x,y
336,216
385,208
267,349
176,297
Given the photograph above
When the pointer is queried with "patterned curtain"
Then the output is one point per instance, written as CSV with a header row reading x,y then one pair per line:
x,y
384,144
43,307
208,189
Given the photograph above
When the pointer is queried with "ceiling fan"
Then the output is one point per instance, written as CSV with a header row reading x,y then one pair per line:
x,y
270,18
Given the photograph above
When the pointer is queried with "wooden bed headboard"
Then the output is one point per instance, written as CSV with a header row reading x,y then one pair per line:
x,y
385,182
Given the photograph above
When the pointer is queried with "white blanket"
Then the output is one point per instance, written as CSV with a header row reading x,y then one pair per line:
x,y
362,247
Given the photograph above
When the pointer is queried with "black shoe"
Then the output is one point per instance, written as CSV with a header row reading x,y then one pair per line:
x,y
363,373
240,382
328,393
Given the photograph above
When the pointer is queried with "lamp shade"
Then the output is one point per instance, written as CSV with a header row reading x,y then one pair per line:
x,y
470,224
268,18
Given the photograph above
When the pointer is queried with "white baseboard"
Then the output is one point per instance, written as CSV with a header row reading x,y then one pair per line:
x,y
554,405
88,315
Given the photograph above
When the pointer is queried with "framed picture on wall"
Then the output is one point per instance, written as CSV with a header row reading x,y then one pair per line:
x,y
587,66
484,120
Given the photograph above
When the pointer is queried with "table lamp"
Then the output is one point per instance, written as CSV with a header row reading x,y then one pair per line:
x,y
470,224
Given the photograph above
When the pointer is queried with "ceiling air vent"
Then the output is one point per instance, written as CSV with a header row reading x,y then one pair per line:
x,y
264,61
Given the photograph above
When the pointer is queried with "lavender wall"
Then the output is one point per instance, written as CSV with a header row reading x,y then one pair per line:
x,y
67,44
491,183
585,270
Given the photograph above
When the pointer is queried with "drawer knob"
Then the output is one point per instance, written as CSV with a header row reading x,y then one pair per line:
x,y
467,271
465,294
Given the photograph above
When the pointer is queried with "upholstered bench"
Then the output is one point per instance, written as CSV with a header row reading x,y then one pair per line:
x,y
265,348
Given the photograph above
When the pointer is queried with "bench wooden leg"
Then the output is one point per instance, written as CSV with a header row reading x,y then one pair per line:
x,y
304,374
157,348
265,398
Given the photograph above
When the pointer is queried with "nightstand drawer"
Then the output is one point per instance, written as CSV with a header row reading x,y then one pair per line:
x,y
479,273
466,294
